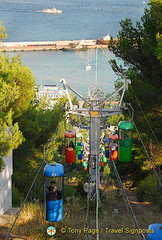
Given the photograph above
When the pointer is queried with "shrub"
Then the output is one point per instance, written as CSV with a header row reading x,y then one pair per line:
x,y
69,191
80,191
17,196
147,190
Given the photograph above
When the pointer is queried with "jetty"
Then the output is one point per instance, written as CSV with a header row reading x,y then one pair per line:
x,y
49,45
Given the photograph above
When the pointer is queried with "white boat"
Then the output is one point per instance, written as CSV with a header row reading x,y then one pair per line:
x,y
88,67
51,10
104,40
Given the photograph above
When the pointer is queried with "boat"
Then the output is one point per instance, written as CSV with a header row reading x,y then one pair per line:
x,y
51,10
88,67
104,40
75,47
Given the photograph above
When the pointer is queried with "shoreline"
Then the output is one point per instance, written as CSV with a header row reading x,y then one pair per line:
x,y
50,45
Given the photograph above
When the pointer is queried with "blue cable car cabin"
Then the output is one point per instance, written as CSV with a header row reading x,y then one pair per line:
x,y
125,129
53,190
154,231
106,141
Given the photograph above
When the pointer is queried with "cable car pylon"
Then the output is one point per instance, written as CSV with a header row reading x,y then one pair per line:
x,y
95,112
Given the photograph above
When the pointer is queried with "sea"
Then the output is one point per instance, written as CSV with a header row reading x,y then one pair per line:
x,y
80,19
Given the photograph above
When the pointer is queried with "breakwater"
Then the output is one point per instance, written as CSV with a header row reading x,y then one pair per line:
x,y
49,45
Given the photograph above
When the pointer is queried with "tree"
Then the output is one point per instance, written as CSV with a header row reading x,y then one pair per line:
x,y
38,126
16,93
10,135
3,33
18,84
140,47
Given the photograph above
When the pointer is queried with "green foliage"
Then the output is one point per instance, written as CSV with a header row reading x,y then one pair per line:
x,y
147,190
38,125
115,119
69,191
16,196
158,51
140,48
10,135
3,33
80,191
1,164
17,84
16,93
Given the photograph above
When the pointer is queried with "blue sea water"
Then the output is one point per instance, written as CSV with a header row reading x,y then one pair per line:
x,y
80,19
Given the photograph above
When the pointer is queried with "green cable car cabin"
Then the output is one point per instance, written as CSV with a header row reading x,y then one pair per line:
x,y
125,129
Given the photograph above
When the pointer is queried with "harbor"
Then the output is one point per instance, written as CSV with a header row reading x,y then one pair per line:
x,y
52,45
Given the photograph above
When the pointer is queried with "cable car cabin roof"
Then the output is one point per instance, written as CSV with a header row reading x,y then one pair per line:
x,y
113,136
125,125
53,170
78,135
70,134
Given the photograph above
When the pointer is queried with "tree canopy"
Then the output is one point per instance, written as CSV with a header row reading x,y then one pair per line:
x,y
16,93
139,45
3,33
140,48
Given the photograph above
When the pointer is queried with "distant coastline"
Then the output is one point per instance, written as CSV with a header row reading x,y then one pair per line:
x,y
48,45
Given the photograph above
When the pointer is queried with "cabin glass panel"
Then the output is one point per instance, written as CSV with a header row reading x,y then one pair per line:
x,y
53,191
125,137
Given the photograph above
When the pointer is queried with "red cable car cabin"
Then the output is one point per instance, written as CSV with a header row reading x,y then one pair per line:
x,y
113,147
70,140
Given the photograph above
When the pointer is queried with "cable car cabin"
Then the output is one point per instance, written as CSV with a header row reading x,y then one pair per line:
x,y
70,142
154,231
53,191
106,141
125,129
113,145
78,148
79,144
80,156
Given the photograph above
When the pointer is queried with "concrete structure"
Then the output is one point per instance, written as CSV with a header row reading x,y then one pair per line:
x,y
46,45
6,185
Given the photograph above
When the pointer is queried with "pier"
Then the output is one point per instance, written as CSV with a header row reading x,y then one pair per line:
x,y
49,45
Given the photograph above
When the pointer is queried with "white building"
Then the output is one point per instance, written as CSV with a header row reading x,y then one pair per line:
x,y
51,92
6,185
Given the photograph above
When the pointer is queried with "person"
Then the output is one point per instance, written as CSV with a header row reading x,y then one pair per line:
x,y
53,192
71,146
53,185
59,193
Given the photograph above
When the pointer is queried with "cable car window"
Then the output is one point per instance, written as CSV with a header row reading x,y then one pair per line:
x,y
123,134
54,190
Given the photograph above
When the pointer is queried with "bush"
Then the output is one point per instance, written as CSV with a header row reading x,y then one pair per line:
x,y
80,191
147,190
69,191
17,196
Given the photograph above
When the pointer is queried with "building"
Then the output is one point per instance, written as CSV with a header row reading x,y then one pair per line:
x,y
51,92
6,185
